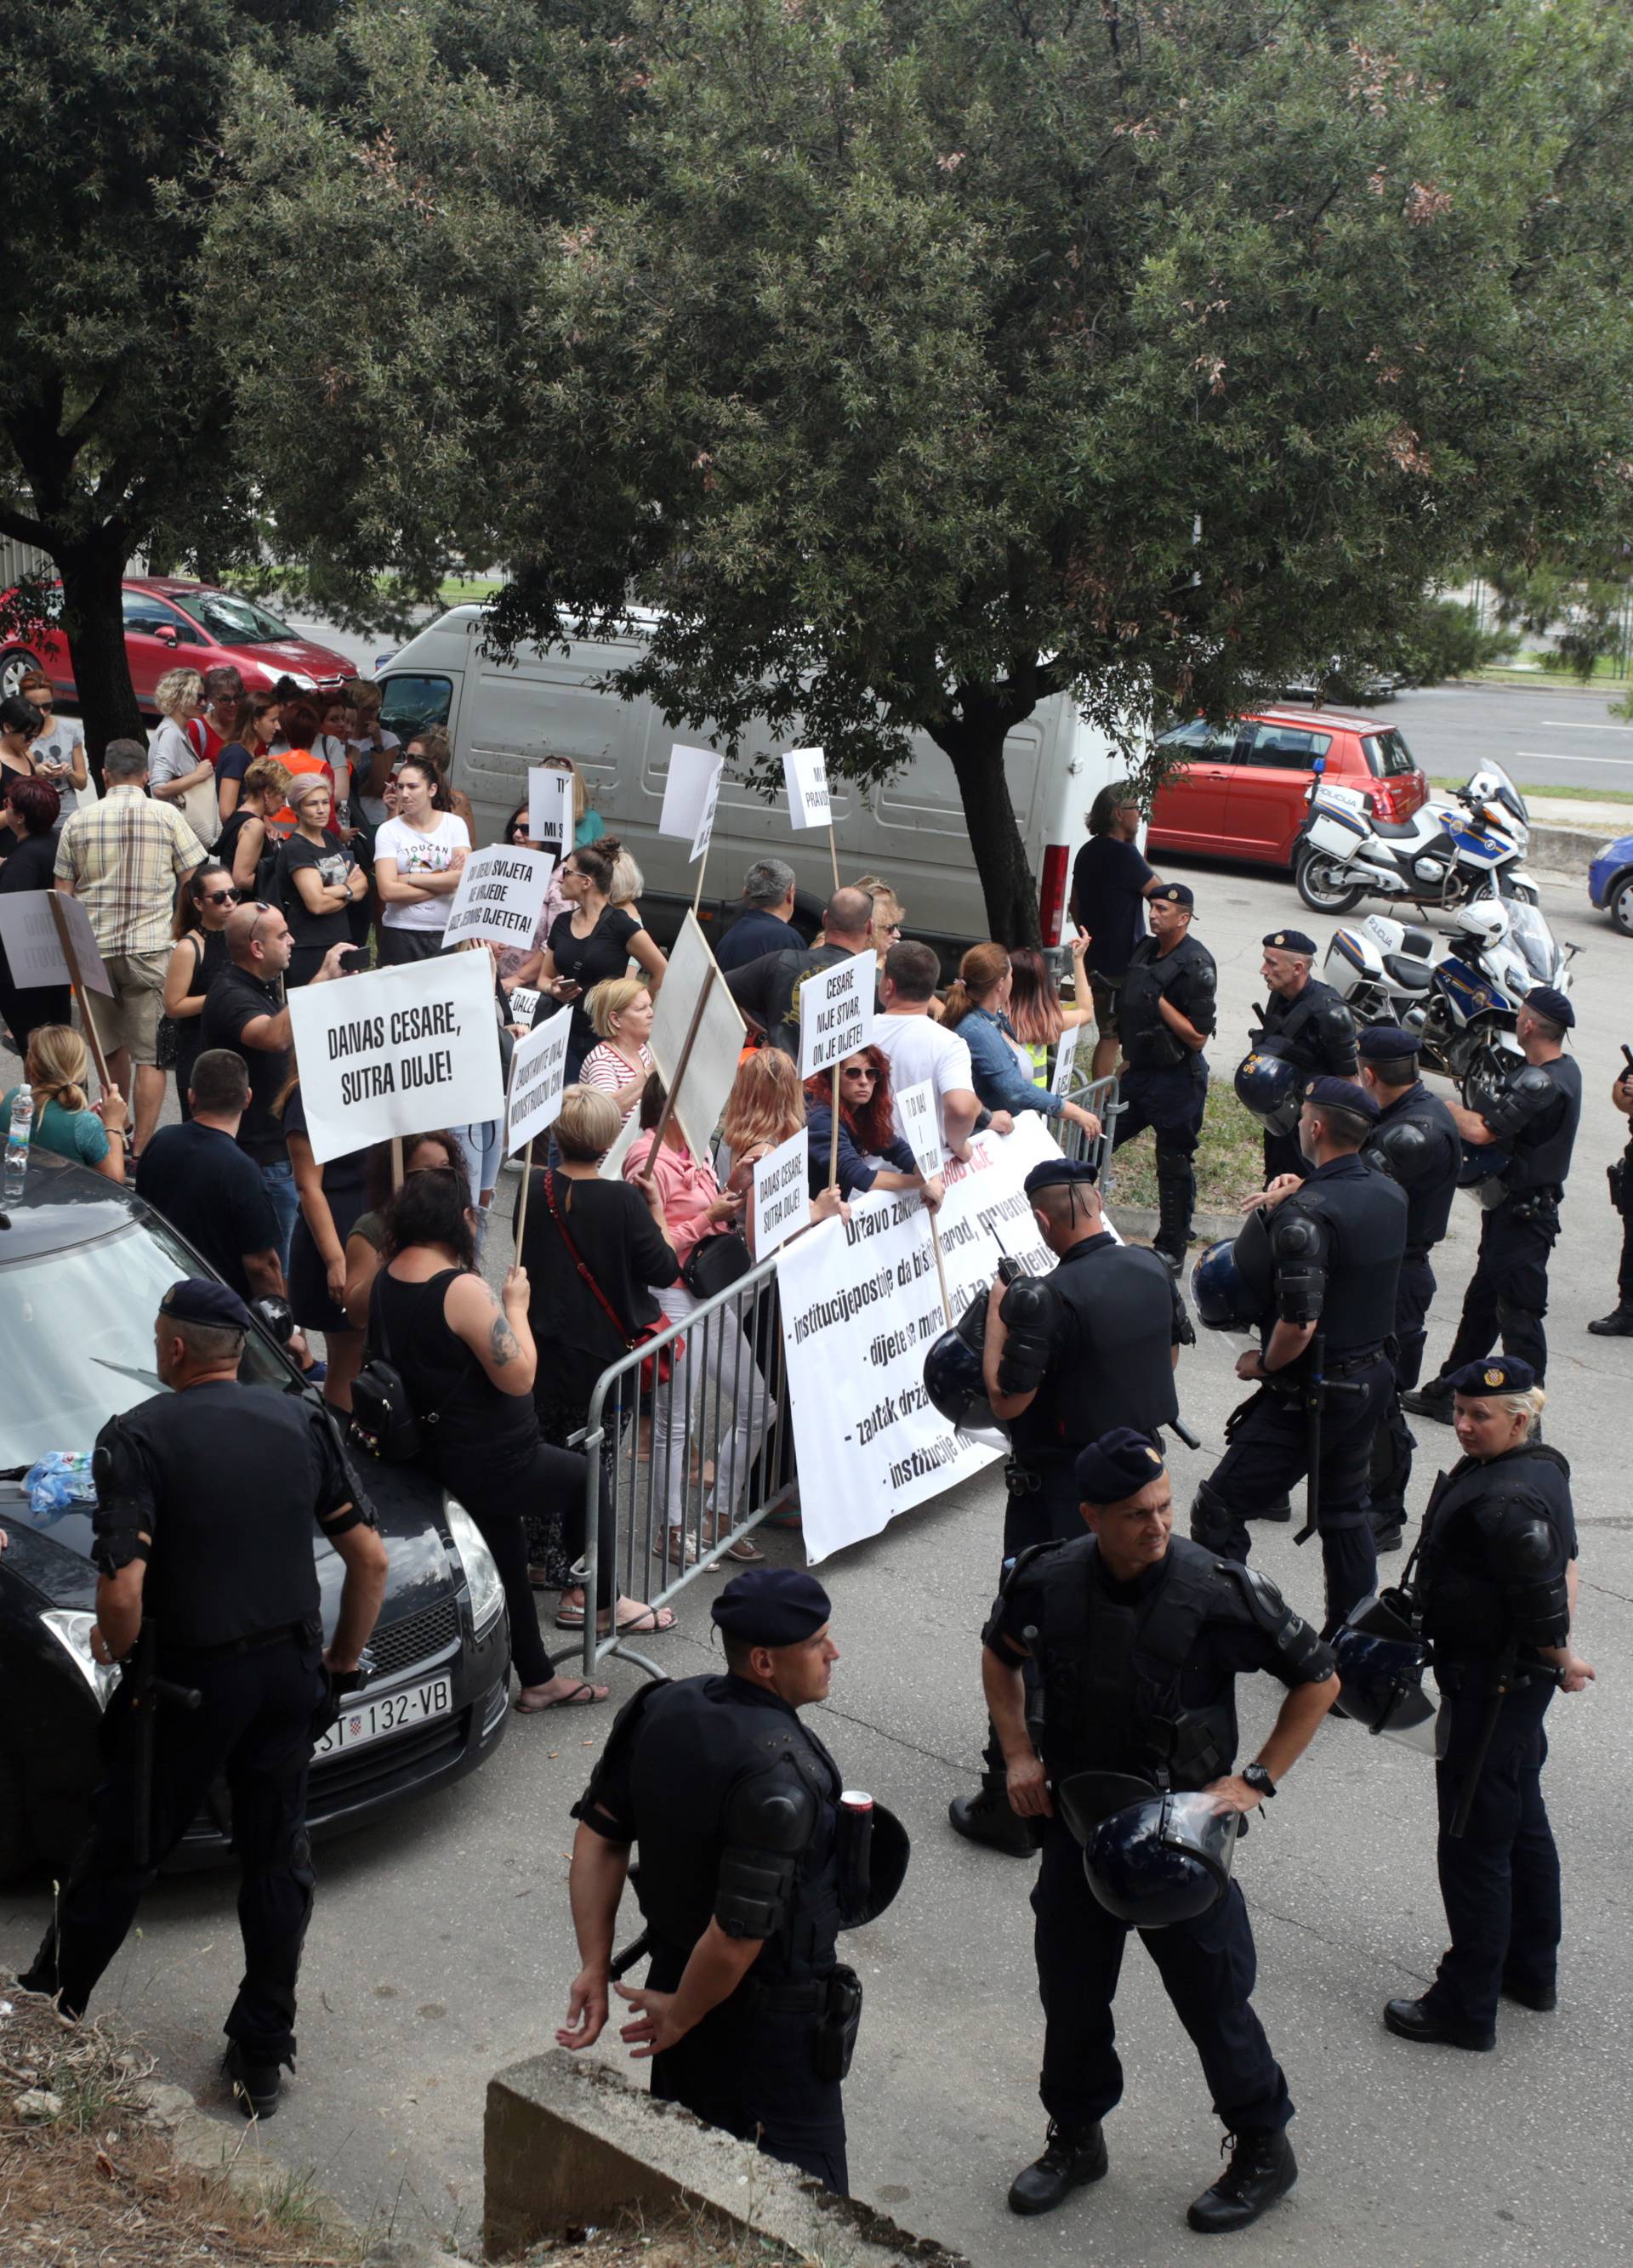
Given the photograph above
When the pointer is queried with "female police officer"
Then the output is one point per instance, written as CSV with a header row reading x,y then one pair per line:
x,y
1497,1587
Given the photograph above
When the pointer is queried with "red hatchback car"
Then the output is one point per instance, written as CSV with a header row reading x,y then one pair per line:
x,y
172,624
1240,791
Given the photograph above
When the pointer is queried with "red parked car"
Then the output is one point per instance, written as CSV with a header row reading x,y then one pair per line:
x,y
1241,793
172,624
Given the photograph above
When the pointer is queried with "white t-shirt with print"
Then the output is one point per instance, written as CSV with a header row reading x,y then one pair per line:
x,y
421,854
56,745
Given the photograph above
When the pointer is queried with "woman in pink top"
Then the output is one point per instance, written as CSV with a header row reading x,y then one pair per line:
x,y
717,1354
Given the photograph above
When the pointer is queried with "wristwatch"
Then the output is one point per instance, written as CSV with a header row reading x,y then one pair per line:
x,y
1259,1781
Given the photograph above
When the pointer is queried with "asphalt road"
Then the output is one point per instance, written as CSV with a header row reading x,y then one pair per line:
x,y
440,1949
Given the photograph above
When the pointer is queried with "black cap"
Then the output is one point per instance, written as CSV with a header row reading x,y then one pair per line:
x,y
1058,1174
1174,894
1498,1373
772,1606
1385,1043
1290,940
1340,1094
197,1300
1556,1006
1117,1466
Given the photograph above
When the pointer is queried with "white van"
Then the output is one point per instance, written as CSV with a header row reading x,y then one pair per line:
x,y
501,717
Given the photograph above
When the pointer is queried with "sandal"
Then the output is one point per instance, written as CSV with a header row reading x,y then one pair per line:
x,y
650,1619
743,1551
677,1548
582,1695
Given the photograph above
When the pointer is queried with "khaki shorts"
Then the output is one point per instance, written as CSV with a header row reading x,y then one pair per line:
x,y
1108,991
130,1019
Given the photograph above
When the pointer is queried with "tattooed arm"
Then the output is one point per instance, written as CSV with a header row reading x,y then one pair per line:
x,y
495,1329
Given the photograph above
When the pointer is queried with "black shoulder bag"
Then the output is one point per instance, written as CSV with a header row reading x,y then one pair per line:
x,y
384,1420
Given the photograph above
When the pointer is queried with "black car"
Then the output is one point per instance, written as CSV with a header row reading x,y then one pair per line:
x,y
82,1266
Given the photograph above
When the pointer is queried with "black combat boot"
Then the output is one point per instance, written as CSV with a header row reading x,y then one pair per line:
x,y
1388,1525
1175,1198
1618,1324
1262,2169
1434,1401
255,2085
990,1820
1415,2020
1069,2162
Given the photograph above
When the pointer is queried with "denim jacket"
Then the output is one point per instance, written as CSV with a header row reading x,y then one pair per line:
x,y
999,1081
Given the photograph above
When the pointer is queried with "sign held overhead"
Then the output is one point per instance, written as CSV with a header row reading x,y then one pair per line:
x,y
396,1050
836,1011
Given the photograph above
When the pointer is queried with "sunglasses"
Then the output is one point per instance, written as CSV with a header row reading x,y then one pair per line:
x,y
858,1074
221,897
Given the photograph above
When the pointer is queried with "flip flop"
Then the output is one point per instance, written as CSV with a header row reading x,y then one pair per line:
x,y
572,1619
582,1697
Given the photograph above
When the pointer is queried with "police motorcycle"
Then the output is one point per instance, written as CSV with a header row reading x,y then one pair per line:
x,y
1442,856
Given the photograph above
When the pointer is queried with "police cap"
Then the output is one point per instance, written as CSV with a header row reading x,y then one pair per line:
x,y
1498,1373
1290,940
772,1606
1117,1466
1060,1173
1338,1094
1385,1043
1176,894
195,1300
1548,1001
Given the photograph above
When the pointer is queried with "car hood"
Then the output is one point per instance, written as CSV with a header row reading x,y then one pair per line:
x,y
295,653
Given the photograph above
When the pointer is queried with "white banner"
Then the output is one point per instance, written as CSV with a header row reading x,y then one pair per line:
x,y
537,1080
860,1307
500,897
712,1065
690,793
1066,1061
920,1121
782,1194
34,949
396,1052
550,810
836,1011
805,771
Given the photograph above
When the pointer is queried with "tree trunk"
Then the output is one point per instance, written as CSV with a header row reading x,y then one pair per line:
x,y
975,746
93,620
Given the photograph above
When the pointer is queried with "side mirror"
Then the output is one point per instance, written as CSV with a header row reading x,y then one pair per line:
x,y
166,633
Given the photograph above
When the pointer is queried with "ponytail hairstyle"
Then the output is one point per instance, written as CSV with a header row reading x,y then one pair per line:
x,y
597,862
57,1067
982,967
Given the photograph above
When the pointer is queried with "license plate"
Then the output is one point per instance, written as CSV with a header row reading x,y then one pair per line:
x,y
376,1717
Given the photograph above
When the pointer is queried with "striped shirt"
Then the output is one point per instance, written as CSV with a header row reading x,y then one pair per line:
x,y
605,1068
124,857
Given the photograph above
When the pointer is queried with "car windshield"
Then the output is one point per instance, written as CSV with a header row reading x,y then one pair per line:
x,y
234,621
78,1331
1387,755
1529,929
410,704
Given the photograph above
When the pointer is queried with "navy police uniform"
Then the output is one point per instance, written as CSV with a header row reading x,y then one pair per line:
x,y
216,1486
1165,1086
1328,1254
1316,1031
1490,1585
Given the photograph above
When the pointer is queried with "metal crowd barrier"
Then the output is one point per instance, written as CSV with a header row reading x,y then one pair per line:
x,y
695,1462
1099,1095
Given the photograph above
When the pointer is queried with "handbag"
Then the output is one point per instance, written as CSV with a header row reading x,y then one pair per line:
x,y
167,1039
198,807
716,1262
384,1421
655,1369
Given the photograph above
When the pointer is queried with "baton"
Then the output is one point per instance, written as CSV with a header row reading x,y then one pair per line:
x,y
1177,1425
1312,1393
1501,1689
147,1691
623,1962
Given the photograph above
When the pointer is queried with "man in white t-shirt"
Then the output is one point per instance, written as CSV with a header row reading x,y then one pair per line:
x,y
918,1049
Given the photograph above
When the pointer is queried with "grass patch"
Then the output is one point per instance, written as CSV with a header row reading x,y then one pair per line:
x,y
1555,795
1230,1161
1607,670
460,590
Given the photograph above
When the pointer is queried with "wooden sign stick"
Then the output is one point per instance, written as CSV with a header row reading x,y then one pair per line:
x,y
833,852
941,1269
521,1210
697,895
833,1141
397,1162
662,1127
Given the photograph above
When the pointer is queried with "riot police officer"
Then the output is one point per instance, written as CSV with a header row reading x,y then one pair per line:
x,y
1332,1251
1415,1142
1618,1324
207,1590
752,1860
1305,1021
1065,1357
1138,1638
1527,1130
1166,1017
1496,1590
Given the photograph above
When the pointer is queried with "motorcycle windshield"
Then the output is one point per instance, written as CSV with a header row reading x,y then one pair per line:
x,y
1529,931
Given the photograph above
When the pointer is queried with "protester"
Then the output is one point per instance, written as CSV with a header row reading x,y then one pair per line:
x,y
871,1154
58,748
764,924
175,764
1038,1016
588,826
57,1067
366,1239
199,1179
432,747
889,913
330,1198
320,881
920,1049
624,890
621,1012
257,725
372,749
418,858
590,941
765,1108
298,728
1110,883
768,989
202,905
333,746
19,728
216,722
123,858
518,964
975,1011
29,817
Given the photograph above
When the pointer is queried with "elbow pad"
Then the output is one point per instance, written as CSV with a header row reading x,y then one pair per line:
x,y
1027,1311
768,1823
1298,1249
1520,1099
1534,1572
123,1499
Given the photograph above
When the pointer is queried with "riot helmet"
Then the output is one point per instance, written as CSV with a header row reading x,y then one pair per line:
x,y
1381,1660
953,1379
1164,1860
1270,1088
1231,1281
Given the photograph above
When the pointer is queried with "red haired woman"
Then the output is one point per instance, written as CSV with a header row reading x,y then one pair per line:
x,y
872,1155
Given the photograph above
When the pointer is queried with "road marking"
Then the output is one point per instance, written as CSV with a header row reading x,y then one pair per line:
x,y
1546,756
1564,725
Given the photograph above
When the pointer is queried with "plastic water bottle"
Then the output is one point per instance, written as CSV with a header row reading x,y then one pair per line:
x,y
18,1138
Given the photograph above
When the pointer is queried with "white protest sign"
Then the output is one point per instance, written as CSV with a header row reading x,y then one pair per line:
x,y
860,1306
611,1166
836,1011
524,1004
550,809
537,1080
689,794
782,1194
500,897
396,1050
712,1065
1066,1061
29,934
920,1121
806,772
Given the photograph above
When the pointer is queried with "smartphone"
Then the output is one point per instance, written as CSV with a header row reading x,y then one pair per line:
x,y
355,962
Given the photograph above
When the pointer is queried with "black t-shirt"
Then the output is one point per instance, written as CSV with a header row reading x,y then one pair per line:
x,y
30,863
331,862
768,987
233,761
1108,888
211,1192
235,999
751,936
604,952
618,1242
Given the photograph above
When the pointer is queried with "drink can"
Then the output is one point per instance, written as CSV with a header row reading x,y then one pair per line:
x,y
856,1800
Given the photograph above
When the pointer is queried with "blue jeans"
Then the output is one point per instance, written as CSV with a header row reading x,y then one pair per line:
x,y
279,1181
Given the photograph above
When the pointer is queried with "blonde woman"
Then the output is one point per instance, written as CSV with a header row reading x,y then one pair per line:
x,y
620,1013
175,770
249,831
58,1068
889,913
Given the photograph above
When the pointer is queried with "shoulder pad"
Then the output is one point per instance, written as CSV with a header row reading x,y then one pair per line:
x,y
772,1811
1204,971
1027,1561
1303,1647
1294,1234
1404,1150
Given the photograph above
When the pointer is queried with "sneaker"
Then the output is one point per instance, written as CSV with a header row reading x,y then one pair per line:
x,y
255,2085
1262,2169
1069,2162
988,1819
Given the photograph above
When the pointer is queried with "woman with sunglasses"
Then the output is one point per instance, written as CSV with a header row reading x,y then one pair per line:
x,y
202,905
872,1154
591,941
59,746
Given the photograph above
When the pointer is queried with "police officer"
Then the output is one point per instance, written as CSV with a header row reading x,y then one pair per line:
x,y
1306,1021
1496,1590
1336,1241
1527,1130
1417,1143
1618,1324
1067,1356
749,1867
1139,1638
207,1586
1165,1018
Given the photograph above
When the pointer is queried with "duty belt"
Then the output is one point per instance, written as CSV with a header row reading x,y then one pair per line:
x,y
309,1631
1348,1364
790,1999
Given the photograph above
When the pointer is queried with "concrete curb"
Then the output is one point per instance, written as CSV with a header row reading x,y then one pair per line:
x,y
1568,850
1139,1222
